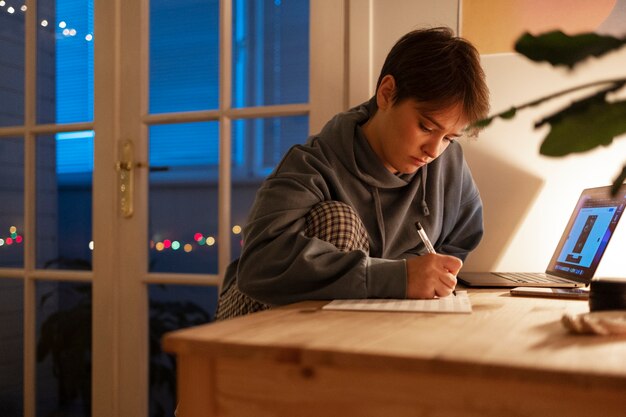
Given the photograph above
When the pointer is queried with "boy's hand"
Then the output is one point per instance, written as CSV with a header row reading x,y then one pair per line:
x,y
431,275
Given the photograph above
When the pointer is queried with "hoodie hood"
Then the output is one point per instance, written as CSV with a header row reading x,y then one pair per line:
x,y
344,135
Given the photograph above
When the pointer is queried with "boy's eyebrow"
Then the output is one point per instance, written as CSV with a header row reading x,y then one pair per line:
x,y
436,123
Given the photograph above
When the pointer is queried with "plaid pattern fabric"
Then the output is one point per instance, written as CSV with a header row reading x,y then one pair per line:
x,y
233,303
331,221
337,223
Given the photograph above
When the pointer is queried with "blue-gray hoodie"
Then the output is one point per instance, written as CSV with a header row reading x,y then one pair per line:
x,y
280,265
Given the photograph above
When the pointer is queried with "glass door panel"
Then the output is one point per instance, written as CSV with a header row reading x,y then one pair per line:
x,y
11,63
183,198
47,26
173,307
270,52
12,197
184,60
64,349
11,348
65,42
64,188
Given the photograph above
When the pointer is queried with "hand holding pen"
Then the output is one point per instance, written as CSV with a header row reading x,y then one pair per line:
x,y
452,264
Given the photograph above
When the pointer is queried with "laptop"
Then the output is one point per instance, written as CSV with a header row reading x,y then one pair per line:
x,y
579,251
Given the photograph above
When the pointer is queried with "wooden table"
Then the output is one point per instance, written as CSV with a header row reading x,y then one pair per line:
x,y
510,357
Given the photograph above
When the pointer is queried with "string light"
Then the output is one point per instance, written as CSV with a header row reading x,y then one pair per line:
x,y
175,245
13,238
67,31
159,246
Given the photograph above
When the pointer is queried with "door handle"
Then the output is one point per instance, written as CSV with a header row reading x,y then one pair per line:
x,y
125,179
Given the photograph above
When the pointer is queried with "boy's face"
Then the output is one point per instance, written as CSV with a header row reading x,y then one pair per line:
x,y
406,137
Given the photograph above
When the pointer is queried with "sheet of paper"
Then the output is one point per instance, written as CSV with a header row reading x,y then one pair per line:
x,y
451,304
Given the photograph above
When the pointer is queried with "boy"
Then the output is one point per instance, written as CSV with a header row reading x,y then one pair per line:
x,y
336,217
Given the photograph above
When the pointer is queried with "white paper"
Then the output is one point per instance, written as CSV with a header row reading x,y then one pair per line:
x,y
451,304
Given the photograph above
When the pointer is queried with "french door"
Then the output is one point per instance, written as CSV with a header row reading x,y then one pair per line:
x,y
121,217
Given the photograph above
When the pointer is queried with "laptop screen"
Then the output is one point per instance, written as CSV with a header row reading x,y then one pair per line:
x,y
587,234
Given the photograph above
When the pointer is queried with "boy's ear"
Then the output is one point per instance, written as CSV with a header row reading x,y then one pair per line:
x,y
386,92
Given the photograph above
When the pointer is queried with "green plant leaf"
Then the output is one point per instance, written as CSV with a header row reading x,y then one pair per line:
x,y
509,114
482,123
584,128
582,105
557,48
600,96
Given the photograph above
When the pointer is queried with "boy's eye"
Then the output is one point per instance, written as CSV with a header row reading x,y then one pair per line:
x,y
447,139
424,128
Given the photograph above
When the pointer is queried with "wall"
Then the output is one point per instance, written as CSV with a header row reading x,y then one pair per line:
x,y
527,197
375,25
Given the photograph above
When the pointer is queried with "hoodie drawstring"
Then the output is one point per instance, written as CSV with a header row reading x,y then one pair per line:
x,y
424,175
379,215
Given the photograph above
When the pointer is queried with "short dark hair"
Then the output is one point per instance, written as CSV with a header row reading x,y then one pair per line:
x,y
437,68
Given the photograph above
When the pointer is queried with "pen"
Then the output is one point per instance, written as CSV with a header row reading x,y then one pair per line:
x,y
424,237
426,240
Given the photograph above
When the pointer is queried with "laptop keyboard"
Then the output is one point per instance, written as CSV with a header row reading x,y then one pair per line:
x,y
538,278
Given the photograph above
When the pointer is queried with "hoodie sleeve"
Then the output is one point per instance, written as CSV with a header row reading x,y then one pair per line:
x,y
280,265
467,229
